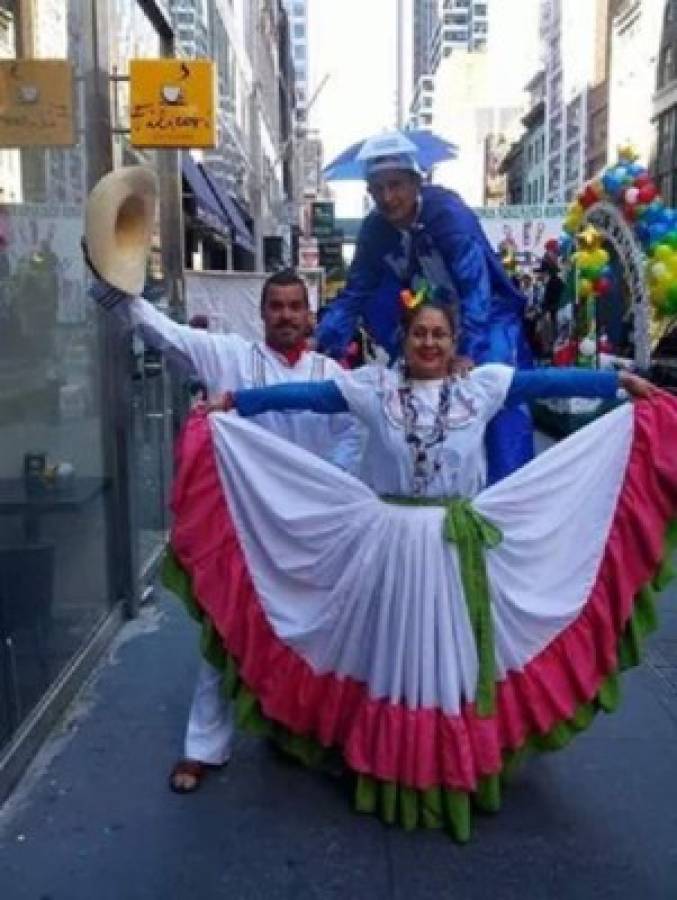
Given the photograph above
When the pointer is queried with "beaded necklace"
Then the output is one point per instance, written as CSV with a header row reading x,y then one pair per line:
x,y
425,449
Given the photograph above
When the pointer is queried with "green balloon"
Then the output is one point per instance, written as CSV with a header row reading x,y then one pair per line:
x,y
669,305
671,239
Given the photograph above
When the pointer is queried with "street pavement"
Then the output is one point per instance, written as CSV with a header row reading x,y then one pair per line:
x,y
94,820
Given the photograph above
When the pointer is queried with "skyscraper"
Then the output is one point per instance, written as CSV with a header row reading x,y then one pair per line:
x,y
441,27
425,21
298,18
462,25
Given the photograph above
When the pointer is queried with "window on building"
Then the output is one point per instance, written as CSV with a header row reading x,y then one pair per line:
x,y
554,176
299,9
300,51
666,139
455,19
480,27
479,9
425,119
666,66
300,30
541,193
572,163
479,45
530,155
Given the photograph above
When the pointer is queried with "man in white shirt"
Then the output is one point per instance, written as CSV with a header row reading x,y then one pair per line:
x,y
227,362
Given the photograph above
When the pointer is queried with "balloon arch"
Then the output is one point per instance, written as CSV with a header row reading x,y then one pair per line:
x,y
623,212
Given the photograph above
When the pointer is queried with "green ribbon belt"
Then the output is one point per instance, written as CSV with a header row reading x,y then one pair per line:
x,y
472,534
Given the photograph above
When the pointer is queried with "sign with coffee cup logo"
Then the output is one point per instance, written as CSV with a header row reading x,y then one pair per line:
x,y
36,103
172,102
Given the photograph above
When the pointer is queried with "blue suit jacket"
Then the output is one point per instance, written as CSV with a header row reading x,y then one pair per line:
x,y
490,307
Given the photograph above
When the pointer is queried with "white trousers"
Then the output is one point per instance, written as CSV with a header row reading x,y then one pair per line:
x,y
211,721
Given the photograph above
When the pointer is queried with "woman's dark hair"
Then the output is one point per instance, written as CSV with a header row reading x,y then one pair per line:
x,y
283,278
409,316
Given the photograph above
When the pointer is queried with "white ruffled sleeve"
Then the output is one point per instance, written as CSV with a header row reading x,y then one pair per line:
x,y
362,389
490,384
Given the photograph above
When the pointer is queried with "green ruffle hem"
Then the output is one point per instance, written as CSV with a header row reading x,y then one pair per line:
x,y
437,808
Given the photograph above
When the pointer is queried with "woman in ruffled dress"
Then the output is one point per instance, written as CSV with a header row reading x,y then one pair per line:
x,y
425,627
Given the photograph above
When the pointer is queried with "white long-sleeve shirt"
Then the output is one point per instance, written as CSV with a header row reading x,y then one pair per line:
x,y
228,362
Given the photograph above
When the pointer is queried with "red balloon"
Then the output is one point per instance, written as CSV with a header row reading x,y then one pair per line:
x,y
647,193
630,212
588,196
602,286
642,180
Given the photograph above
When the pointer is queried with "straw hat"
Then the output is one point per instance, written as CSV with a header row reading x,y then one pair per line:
x,y
119,219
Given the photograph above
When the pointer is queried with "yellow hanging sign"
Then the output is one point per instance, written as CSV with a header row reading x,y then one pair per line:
x,y
172,102
36,103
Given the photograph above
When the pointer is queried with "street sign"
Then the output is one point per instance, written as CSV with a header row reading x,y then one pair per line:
x,y
173,102
331,253
322,223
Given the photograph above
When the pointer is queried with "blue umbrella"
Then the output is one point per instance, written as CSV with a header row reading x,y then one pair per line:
x,y
430,149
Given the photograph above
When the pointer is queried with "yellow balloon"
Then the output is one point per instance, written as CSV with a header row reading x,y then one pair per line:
x,y
587,259
659,271
663,252
601,256
658,293
584,287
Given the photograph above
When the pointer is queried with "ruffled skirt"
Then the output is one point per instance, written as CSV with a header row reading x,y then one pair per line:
x,y
427,645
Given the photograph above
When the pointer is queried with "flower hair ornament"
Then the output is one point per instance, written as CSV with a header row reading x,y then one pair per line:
x,y
420,292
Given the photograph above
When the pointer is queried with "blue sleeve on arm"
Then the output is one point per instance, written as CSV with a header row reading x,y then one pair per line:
x,y
316,396
534,384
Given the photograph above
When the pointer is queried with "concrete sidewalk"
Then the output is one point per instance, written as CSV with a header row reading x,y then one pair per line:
x,y
94,820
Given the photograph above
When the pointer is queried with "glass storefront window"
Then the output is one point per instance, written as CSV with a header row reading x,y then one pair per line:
x,y
54,486
151,425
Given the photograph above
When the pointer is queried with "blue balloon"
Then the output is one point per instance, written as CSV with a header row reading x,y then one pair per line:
x,y
654,212
636,169
643,233
670,218
656,231
606,272
565,244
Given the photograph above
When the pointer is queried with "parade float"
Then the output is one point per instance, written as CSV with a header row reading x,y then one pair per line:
x,y
617,260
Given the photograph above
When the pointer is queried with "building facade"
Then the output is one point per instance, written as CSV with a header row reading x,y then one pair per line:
x,y
570,39
664,107
533,143
86,415
635,43
462,25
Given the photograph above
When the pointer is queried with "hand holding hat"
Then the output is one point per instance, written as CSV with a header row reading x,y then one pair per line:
x,y
119,218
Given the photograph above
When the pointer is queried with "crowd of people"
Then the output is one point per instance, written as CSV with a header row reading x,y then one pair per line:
x,y
383,574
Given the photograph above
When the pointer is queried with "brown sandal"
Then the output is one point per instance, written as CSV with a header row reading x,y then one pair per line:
x,y
187,775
